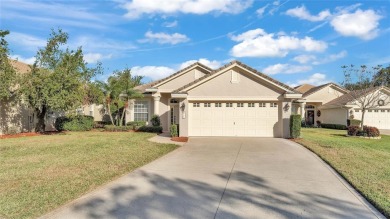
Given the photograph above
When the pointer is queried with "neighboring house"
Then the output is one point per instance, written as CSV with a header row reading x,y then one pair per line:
x,y
234,100
345,107
16,116
314,97
329,103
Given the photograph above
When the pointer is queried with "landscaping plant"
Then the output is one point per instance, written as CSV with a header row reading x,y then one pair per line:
x,y
174,131
295,126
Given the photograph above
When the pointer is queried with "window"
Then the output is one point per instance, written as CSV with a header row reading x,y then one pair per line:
x,y
274,104
369,111
91,113
240,104
207,105
173,101
195,104
309,107
251,104
356,111
229,104
261,104
218,104
382,111
141,111
376,111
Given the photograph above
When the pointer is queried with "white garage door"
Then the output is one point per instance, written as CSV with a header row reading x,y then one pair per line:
x,y
233,119
379,118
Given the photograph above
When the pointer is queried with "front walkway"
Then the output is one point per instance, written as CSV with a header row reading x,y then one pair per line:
x,y
226,178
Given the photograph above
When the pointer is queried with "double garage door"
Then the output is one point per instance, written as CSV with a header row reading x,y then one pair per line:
x,y
379,118
256,119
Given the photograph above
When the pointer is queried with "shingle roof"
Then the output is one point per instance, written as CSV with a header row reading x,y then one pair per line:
x,y
143,87
304,88
350,96
20,67
315,89
243,66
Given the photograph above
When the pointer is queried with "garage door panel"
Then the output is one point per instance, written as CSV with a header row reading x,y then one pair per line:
x,y
232,121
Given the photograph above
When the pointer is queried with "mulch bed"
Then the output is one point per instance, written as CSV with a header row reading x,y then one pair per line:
x,y
180,139
29,134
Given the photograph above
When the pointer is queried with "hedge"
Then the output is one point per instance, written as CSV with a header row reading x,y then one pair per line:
x,y
153,129
353,122
295,126
334,126
136,123
114,128
174,132
74,123
155,120
369,131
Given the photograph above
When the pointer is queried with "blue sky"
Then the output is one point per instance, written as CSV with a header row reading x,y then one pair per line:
x,y
292,41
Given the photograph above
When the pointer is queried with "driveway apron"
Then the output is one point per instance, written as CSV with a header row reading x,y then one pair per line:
x,y
226,178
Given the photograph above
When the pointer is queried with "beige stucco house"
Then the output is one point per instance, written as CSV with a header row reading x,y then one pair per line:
x,y
332,104
234,100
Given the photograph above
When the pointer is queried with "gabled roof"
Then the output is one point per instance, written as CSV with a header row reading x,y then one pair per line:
x,y
286,87
315,89
303,88
143,87
346,98
20,67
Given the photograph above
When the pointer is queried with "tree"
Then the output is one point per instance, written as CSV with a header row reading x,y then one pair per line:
x,y
119,89
7,72
364,84
58,78
383,77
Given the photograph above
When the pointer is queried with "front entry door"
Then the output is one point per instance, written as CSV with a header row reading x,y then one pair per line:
x,y
310,117
174,115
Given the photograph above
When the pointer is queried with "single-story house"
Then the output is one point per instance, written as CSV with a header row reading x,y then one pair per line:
x,y
329,103
234,100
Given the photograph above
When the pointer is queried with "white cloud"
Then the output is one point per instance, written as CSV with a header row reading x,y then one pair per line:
x,y
331,58
170,24
303,59
361,24
214,64
137,8
258,43
261,10
285,69
315,79
29,42
159,72
304,14
95,57
153,72
164,38
30,60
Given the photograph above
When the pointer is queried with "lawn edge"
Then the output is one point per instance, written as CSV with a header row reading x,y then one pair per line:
x,y
85,195
370,204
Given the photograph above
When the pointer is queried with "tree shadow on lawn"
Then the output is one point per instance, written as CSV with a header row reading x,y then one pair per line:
x,y
178,198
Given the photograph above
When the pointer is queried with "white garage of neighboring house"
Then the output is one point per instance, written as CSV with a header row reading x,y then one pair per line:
x,y
346,107
234,100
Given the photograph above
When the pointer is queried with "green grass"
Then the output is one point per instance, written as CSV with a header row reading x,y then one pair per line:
x,y
365,163
39,174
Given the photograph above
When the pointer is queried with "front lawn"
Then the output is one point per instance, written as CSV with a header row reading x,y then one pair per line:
x,y
364,163
38,174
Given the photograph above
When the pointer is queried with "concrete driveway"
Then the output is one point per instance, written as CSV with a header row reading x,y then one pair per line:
x,y
226,178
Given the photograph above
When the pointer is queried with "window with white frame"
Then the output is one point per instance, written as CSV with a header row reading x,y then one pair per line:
x,y
251,104
207,104
195,104
274,104
240,104
141,111
356,111
218,104
262,105
229,104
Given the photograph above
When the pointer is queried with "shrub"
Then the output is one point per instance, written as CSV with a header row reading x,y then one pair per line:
x,y
333,126
318,123
13,130
153,129
136,124
353,130
155,120
371,131
100,124
114,128
353,122
295,126
74,123
174,132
